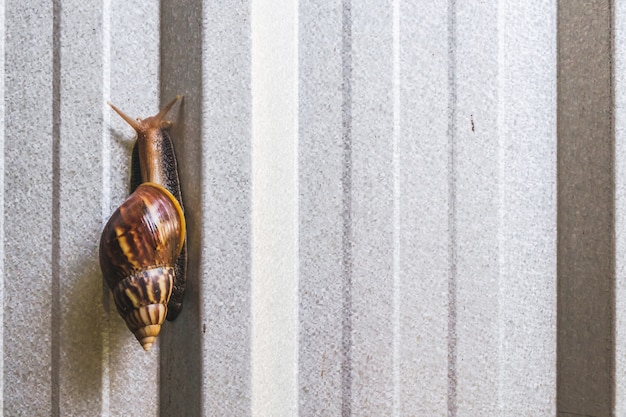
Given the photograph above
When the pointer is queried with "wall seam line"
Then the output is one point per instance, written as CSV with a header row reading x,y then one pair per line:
x,y
2,192
500,123
346,182
397,283
452,235
296,217
613,296
105,198
55,313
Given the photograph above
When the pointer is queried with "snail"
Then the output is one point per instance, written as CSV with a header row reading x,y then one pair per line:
x,y
143,253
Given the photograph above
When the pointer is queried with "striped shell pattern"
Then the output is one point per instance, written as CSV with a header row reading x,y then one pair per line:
x,y
138,250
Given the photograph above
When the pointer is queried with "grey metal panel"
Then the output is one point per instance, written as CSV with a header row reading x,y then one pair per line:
x,y
497,249
323,134
206,56
55,166
586,196
28,184
371,223
423,201
2,185
474,201
371,208
458,183
77,318
180,373
528,209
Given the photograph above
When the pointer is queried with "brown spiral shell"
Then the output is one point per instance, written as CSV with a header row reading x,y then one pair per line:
x,y
138,250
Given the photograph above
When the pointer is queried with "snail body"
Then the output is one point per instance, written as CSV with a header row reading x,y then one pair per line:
x,y
143,252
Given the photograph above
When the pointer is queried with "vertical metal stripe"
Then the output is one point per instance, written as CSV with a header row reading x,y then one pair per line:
x,y
105,155
452,383
55,338
346,181
397,357
274,208
501,105
2,197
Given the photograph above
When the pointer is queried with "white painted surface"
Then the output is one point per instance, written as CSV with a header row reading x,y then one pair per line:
x,y
274,208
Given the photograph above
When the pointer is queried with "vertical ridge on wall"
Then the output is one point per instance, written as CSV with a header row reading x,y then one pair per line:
x,y
205,366
27,197
474,206
274,208
105,392
55,310
428,106
371,208
225,224
396,209
451,261
181,369
527,209
586,209
76,172
501,126
324,374
346,214
426,332
2,193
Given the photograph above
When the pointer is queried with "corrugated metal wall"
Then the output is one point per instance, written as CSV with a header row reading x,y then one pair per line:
x,y
394,208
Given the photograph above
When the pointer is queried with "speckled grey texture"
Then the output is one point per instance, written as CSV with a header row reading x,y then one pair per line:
x,y
77,316
425,288
66,351
417,272
28,300
587,210
527,210
206,56
323,281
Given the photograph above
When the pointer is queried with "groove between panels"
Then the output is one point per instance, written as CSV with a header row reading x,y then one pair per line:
x,y
55,314
397,328
106,195
452,235
346,183
2,194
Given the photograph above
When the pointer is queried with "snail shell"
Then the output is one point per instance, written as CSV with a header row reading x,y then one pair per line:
x,y
138,250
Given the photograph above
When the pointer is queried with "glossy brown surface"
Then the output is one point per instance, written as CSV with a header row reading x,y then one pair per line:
x,y
138,251
147,230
